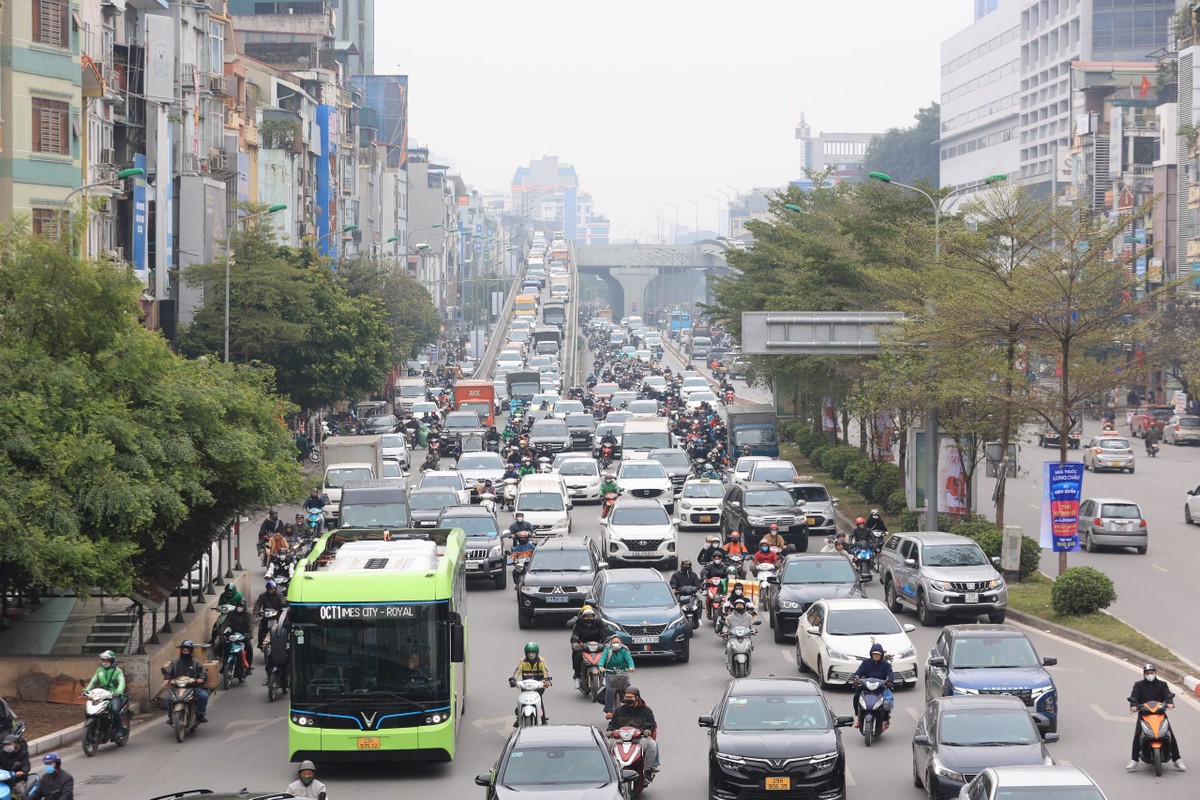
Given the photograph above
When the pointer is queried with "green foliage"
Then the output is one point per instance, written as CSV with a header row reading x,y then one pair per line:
x,y
1082,590
896,502
910,520
122,460
409,310
809,440
839,458
817,456
908,155
972,530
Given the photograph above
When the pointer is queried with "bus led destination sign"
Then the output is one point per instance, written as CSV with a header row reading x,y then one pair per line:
x,y
367,612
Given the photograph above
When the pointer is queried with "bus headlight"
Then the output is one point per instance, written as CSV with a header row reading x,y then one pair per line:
x,y
436,719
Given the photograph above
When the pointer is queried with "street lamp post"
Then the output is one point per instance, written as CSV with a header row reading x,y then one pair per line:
x,y
229,259
66,203
931,423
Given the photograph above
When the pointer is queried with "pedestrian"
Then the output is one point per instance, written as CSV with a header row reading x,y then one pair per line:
x,y
56,783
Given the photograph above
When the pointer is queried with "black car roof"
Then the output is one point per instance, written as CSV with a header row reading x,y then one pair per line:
x,y
557,734
562,543
779,685
981,702
986,629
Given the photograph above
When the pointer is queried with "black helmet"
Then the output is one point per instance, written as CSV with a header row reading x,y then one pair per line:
x,y
273,514
187,645
686,564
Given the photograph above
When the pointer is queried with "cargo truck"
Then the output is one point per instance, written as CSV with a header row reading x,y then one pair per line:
x,y
348,458
408,391
478,396
523,385
554,312
753,424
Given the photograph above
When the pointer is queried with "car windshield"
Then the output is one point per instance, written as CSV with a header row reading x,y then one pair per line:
x,y
954,555
818,570
982,652
1188,422
638,595
701,397
560,561
480,461
578,466
1048,793
392,469
606,388
810,494
983,728
468,420
861,622
449,481
639,515
698,489
472,526
433,500
1114,444
548,427
654,470
671,458
774,713
337,478
539,501
768,497
1120,511
385,421
1162,413
568,406
580,421
774,474
644,407
556,766
392,442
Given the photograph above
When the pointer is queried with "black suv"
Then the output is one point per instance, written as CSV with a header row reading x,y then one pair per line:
x,y
559,576
582,428
803,580
485,548
752,507
769,735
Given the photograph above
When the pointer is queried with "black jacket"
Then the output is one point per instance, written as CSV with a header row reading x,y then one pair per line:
x,y
268,600
637,716
595,632
1144,691
689,579
58,785
239,621
269,526
16,762
714,569
185,668
706,554
861,536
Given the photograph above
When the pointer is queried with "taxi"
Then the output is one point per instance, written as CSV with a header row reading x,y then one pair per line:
x,y
700,503
1109,450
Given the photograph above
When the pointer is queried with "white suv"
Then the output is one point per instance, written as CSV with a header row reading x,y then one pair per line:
x,y
639,531
646,480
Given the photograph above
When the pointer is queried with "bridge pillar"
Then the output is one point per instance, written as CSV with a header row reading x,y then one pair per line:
x,y
634,281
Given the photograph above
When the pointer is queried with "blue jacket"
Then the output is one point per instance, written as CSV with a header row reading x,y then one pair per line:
x,y
874,669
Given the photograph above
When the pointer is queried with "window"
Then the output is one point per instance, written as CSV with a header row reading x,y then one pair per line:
x,y
45,222
216,47
50,23
50,118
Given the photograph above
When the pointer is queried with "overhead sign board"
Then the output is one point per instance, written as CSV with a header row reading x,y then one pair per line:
x,y
814,332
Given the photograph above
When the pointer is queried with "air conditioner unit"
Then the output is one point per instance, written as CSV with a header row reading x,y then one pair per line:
x,y
216,84
117,253
108,156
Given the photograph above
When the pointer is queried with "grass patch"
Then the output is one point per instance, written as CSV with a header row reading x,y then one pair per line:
x,y
1033,597
850,502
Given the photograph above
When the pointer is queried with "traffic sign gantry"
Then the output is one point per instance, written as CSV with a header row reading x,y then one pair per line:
x,y
814,332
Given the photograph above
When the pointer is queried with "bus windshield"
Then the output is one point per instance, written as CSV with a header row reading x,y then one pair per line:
x,y
379,652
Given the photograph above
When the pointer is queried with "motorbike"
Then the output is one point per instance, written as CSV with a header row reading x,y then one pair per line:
x,y
529,702
100,726
689,602
487,501
1152,448
591,679
314,522
872,708
1156,734
508,495
9,787
765,572
738,647
182,701
606,456
234,664
520,562
280,568
314,455
545,465
715,599
739,561
864,559
627,752
607,503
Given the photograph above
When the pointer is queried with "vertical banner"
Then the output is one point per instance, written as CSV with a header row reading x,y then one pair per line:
x,y
952,478
828,416
1062,488
138,235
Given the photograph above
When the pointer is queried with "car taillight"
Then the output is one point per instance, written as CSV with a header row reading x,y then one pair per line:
x,y
1142,524
1098,521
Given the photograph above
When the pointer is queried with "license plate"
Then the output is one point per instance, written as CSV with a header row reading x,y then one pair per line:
x,y
973,597
812,520
704,518
368,743
474,563
778,784
645,640
556,599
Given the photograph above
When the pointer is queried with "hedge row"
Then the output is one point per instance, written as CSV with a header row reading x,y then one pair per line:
x,y
989,538
878,482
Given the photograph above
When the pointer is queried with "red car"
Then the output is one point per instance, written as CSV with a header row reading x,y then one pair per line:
x,y
1147,417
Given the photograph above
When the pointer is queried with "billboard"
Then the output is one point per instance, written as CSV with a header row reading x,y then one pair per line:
x,y
1062,489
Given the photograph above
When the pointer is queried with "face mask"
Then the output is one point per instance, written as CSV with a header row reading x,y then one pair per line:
x,y
10,749
615,645
1152,678
306,779
50,768
765,549
629,701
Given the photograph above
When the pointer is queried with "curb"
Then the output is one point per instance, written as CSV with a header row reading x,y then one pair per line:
x,y
71,735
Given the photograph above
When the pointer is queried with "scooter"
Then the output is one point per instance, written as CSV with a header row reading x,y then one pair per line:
x,y
591,679
1152,448
715,599
607,504
315,522
872,708
739,561
520,562
1156,734
689,603
234,665
8,781
627,752
606,456
101,726
738,647
487,501
763,575
529,702
182,701
508,495
863,560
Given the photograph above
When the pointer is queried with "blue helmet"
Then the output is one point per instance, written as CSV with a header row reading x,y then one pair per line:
x,y
877,648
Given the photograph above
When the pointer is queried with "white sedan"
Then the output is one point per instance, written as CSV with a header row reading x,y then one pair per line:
x,y
834,636
694,399
448,479
1191,507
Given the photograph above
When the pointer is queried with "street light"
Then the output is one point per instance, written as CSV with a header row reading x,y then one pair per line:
x,y
229,259
120,176
797,209
931,423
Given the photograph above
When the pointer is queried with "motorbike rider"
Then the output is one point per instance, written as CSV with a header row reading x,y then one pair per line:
x,y
615,657
875,523
533,666
188,666
269,599
739,615
712,546
609,438
519,525
430,462
527,467
735,590
710,472
773,538
873,666
56,783
230,596
686,581
609,485
715,568
1153,435
111,677
632,712
1148,689
269,525
279,543
238,621
306,783
492,438
861,536
510,473
734,546
588,628
14,759
765,555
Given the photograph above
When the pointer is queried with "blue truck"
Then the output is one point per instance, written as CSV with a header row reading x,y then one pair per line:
x,y
753,424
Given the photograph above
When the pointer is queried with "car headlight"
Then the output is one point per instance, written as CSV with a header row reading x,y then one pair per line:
x,y
947,773
959,690
758,520
496,549
528,590
678,621
909,653
996,584
838,655
788,604
730,761
822,760
1038,691
941,586
563,522
685,505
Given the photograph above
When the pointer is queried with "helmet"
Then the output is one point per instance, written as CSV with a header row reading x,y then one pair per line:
x,y
108,655
273,514
306,765
732,570
874,512
711,539
718,555
735,537
687,564
633,690
11,743
774,527
231,587
271,584
860,521
187,644
1149,668
583,612
877,648
531,648
51,758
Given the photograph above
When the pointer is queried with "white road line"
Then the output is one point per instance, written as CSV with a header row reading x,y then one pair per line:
x,y
850,779
912,712
1104,714
1157,567
1035,505
788,655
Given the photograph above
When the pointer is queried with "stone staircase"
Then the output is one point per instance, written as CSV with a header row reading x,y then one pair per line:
x,y
96,627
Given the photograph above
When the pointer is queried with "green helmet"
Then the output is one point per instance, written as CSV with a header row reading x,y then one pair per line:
x,y
108,655
731,571
531,648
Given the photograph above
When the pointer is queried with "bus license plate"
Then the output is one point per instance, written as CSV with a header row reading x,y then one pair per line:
x,y
368,743
557,599
645,640
973,598
704,518
778,784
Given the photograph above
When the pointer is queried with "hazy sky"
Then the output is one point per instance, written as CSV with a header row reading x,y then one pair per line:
x,y
658,101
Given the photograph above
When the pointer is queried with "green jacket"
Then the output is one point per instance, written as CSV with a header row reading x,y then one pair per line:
x,y
110,678
609,487
616,659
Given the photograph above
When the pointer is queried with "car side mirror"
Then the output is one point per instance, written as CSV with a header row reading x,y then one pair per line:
x,y
602,520
909,627
483,780
996,561
706,721
936,661
910,562
758,622
921,739
812,629
1049,738
835,500
1049,661
602,565
845,721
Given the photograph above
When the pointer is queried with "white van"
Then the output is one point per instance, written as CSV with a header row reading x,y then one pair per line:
x,y
644,434
544,502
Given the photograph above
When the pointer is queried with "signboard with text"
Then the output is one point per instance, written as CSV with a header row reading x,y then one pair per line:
x,y
1062,489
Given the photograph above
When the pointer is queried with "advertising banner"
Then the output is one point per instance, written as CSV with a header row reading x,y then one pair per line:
x,y
139,239
952,479
1062,488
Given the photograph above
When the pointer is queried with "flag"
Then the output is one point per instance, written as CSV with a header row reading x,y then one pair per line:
x,y
1145,85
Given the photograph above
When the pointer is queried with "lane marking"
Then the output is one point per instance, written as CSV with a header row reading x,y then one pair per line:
x,y
912,712
1104,714
1157,567
788,656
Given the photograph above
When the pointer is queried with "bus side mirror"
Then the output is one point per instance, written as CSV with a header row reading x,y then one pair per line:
x,y
458,643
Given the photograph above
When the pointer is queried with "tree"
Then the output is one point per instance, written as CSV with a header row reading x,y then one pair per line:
x,y
909,155
411,315
121,460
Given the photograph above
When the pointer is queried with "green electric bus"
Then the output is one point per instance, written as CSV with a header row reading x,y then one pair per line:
x,y
378,666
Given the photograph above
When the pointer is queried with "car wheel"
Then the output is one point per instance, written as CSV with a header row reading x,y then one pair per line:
x,y
1088,545
800,665
923,613
685,656
931,786
1187,515
1131,470
777,630
824,684
524,620
500,579
1141,551
997,617
889,595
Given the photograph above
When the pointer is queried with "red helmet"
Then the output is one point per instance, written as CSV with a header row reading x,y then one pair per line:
x,y
860,521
